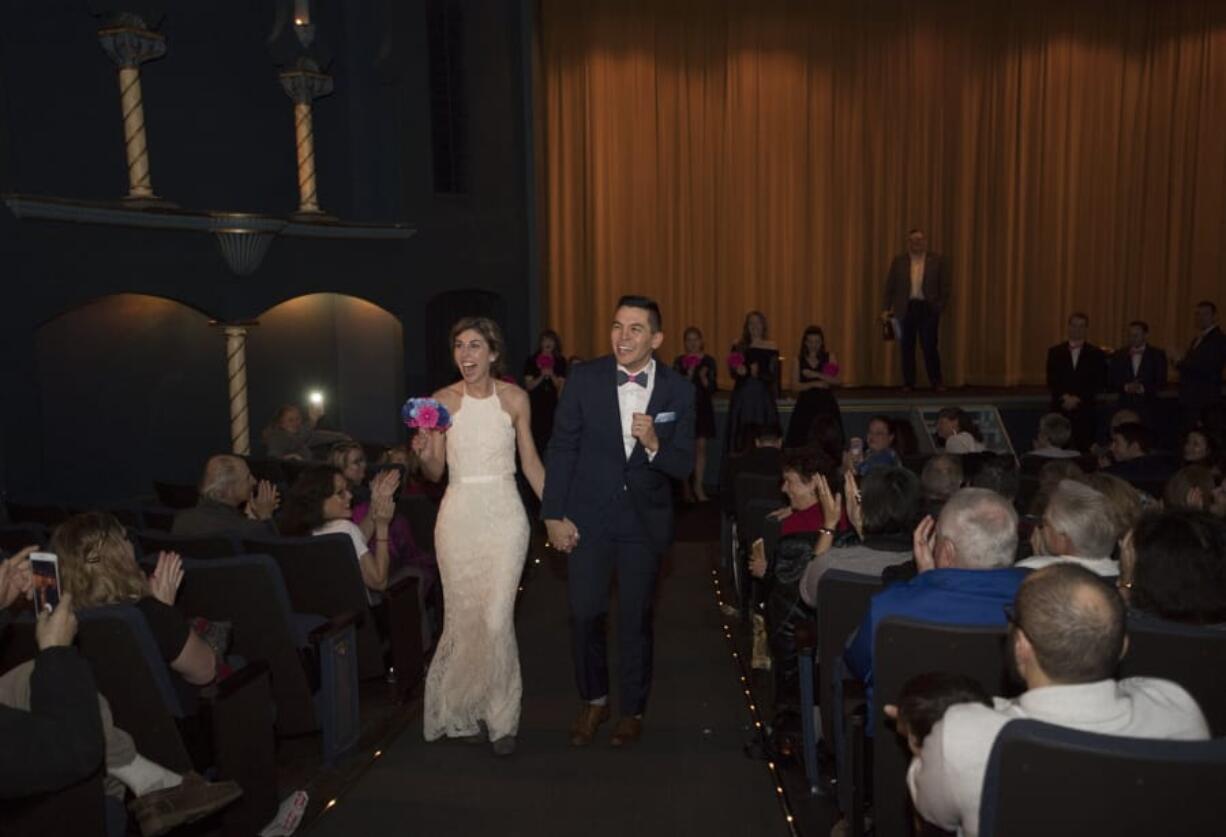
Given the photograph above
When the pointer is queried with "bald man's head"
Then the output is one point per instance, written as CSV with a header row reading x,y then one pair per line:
x,y
1073,622
227,479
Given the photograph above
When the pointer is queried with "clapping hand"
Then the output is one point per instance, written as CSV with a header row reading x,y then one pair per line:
x,y
16,578
385,483
832,504
851,494
166,578
923,542
563,534
264,502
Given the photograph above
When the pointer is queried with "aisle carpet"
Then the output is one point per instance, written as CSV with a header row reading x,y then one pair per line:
x,y
687,776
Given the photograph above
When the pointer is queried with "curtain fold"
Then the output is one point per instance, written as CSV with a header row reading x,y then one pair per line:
x,y
722,156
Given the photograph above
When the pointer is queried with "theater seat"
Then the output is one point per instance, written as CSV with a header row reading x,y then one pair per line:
x,y
1189,655
199,547
1059,782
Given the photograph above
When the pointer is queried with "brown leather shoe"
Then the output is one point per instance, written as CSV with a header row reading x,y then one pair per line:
x,y
584,729
627,731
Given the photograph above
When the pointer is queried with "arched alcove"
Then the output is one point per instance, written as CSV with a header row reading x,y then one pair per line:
x,y
132,388
349,349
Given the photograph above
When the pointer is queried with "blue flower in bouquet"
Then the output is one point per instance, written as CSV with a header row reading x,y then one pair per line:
x,y
425,413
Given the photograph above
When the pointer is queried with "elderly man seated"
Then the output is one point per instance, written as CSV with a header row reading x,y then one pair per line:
x,y
1078,526
1066,635
231,502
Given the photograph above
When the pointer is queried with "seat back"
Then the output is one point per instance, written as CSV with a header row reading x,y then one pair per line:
x,y
45,514
842,601
267,469
131,674
755,496
248,592
322,576
174,495
1189,655
1060,782
198,547
17,537
902,649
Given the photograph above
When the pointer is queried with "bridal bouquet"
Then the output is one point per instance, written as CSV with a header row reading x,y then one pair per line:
x,y
688,362
736,360
425,413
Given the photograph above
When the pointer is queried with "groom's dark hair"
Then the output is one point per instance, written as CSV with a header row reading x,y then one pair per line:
x,y
647,304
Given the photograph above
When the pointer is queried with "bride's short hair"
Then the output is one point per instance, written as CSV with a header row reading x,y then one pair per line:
x,y
492,334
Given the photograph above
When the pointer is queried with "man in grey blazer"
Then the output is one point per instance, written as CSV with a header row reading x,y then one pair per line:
x,y
916,290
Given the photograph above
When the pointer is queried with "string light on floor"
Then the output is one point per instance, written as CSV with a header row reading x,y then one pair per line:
x,y
776,778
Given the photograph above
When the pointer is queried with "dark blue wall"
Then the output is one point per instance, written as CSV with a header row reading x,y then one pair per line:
x,y
221,137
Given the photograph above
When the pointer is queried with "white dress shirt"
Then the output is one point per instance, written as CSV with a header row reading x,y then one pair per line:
x,y
631,399
1102,567
917,277
946,779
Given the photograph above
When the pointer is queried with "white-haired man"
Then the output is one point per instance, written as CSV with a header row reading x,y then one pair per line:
x,y
231,502
965,575
1077,527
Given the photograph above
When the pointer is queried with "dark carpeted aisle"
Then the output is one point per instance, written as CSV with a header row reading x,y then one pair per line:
x,y
687,776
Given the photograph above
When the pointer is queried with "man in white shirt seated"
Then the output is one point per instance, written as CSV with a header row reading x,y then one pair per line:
x,y
1066,635
1055,433
1077,527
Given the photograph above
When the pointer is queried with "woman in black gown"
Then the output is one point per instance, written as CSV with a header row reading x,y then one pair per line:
x,y
817,370
544,377
700,368
754,364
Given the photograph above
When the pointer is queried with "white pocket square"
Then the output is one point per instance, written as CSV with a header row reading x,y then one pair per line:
x,y
662,418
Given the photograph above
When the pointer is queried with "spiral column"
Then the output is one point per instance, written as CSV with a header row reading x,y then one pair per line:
x,y
236,372
129,44
303,85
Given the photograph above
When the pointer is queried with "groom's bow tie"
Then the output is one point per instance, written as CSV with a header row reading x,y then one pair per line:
x,y
623,378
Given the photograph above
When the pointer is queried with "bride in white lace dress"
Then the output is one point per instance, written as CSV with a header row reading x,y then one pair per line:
x,y
473,687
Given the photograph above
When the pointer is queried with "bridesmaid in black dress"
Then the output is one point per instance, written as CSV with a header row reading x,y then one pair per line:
x,y
754,364
817,370
700,368
544,377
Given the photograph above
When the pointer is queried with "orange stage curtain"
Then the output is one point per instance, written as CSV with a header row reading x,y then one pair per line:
x,y
723,156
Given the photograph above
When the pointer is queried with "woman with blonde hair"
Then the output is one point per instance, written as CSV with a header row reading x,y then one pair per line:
x,y
98,567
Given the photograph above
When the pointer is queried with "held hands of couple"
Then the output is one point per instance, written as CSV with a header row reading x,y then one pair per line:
x,y
563,534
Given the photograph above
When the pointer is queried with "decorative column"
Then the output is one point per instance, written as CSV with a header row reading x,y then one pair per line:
x,y
303,85
236,372
129,44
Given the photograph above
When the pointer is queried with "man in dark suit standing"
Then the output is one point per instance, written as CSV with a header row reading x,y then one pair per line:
x,y
1076,374
1200,367
624,426
916,291
1137,372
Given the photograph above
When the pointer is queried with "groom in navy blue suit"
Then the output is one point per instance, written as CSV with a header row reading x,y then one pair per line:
x,y
623,428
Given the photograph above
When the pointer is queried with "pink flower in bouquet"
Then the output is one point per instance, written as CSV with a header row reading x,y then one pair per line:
x,y
544,361
736,360
831,369
689,362
427,416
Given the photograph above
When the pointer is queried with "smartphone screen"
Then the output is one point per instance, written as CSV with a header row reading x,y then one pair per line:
x,y
45,568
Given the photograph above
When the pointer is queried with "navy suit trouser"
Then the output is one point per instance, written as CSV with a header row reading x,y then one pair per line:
x,y
624,549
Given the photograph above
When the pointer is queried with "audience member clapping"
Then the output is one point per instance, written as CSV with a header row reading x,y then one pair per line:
x,y
231,502
320,503
883,509
1173,566
98,567
1066,636
1079,526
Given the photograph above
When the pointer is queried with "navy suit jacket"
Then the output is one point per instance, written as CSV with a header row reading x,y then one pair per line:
x,y
1151,374
586,468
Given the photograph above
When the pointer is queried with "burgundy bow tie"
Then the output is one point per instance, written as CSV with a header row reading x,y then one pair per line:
x,y
623,378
